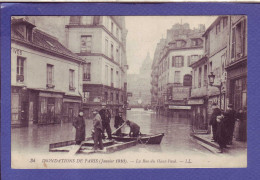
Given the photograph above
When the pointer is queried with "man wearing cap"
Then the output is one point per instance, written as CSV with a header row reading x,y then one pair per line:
x,y
79,124
213,120
106,116
97,128
230,116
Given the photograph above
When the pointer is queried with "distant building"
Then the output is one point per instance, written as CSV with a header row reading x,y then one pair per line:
x,y
101,42
45,77
183,47
139,85
154,73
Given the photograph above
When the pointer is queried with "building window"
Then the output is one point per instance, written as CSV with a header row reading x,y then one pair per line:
x,y
20,69
106,47
111,97
86,43
218,28
177,77
117,78
86,72
117,98
112,77
178,61
205,75
112,27
117,55
207,44
71,79
50,76
194,58
112,51
239,93
106,75
86,96
117,33
200,71
225,20
238,40
196,42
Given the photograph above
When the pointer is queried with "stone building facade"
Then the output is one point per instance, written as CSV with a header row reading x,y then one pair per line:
x,y
101,42
45,77
183,47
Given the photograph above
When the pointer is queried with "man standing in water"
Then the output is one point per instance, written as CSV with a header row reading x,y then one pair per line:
x,y
105,116
97,134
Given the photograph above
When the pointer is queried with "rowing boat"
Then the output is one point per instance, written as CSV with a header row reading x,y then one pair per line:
x,y
143,138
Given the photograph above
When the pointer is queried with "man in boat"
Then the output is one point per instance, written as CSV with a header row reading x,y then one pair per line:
x,y
105,116
97,130
118,122
134,128
79,124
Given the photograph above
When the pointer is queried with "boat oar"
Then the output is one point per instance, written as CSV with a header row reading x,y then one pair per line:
x,y
119,128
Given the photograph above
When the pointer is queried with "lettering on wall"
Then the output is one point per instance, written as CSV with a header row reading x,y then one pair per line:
x,y
16,51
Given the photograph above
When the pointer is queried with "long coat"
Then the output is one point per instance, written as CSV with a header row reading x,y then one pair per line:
x,y
222,133
79,124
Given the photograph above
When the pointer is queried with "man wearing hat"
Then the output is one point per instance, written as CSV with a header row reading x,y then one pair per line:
x,y
79,124
213,120
230,116
106,116
97,128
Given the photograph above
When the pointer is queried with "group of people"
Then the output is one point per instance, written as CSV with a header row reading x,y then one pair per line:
x,y
101,123
223,124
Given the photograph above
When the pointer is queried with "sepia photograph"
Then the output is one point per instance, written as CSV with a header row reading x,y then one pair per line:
x,y
105,92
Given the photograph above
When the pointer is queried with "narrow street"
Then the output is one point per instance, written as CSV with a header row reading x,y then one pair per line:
x,y
177,138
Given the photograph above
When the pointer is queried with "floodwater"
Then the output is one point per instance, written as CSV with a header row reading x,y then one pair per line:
x,y
36,139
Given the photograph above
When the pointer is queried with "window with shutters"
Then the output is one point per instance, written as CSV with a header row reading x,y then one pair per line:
x,y
106,47
225,19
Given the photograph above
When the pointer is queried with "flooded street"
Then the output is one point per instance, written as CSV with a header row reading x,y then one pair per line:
x,y
36,139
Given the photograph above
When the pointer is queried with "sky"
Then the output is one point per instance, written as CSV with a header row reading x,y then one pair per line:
x,y
144,32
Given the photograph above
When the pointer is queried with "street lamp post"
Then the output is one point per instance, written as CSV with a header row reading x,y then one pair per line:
x,y
211,82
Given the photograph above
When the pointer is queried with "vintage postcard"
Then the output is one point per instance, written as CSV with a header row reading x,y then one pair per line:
x,y
91,92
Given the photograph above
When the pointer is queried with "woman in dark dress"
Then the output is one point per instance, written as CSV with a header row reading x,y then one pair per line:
x,y
79,125
221,134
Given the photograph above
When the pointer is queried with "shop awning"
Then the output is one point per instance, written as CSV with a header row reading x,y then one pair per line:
x,y
179,107
196,101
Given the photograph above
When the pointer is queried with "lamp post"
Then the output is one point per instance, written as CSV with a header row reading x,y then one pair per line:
x,y
211,82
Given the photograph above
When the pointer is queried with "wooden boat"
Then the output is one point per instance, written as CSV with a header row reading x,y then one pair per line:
x,y
86,146
142,139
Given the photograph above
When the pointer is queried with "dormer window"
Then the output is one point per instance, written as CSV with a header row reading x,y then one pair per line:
x,y
29,34
196,42
180,43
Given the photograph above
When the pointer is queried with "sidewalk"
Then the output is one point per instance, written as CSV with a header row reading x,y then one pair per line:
x,y
238,147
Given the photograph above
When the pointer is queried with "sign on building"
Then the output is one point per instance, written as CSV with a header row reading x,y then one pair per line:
x,y
180,93
129,94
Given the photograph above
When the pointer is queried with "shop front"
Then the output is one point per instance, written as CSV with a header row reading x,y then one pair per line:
x,y
237,95
199,115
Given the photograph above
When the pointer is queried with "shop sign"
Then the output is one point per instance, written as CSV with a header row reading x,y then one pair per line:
x,y
196,101
97,99
129,94
180,93
179,107
187,80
